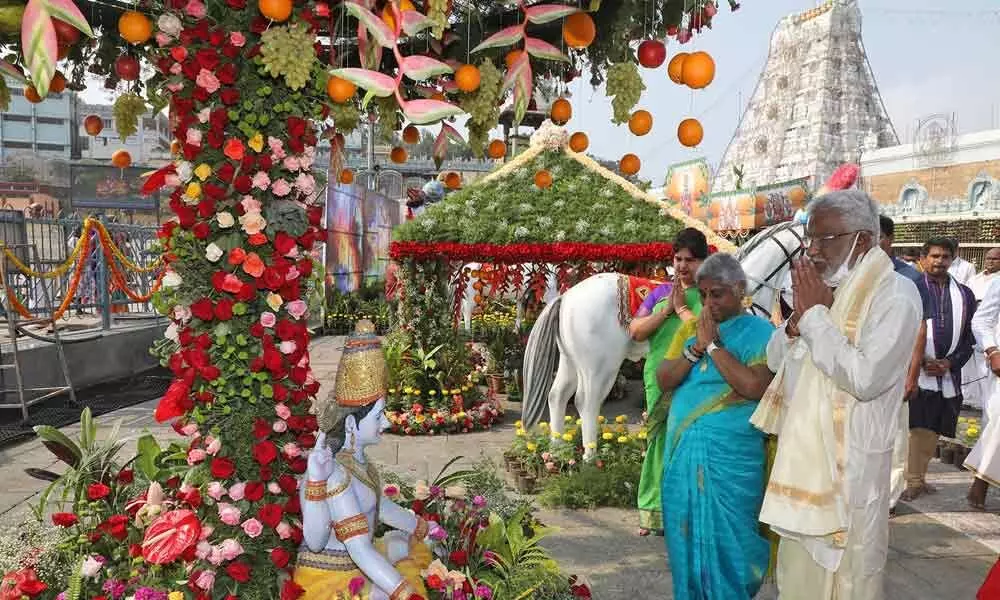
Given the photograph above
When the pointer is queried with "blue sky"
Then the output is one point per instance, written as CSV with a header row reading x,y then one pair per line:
x,y
928,56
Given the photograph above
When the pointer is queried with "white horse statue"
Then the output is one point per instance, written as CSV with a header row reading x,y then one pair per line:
x,y
583,329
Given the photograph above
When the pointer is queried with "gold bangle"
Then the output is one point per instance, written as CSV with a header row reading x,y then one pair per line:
x,y
351,527
403,591
316,491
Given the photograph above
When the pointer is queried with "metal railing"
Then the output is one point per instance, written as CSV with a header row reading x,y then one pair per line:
x,y
54,240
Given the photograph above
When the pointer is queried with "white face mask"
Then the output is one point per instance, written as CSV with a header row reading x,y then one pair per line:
x,y
843,270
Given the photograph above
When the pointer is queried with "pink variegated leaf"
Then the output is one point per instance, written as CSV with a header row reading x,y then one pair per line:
x,y
421,68
11,71
414,22
424,112
523,89
66,10
542,49
449,87
374,82
522,62
381,33
543,13
505,37
440,149
452,133
39,45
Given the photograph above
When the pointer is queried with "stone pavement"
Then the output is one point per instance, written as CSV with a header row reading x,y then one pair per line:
x,y
938,548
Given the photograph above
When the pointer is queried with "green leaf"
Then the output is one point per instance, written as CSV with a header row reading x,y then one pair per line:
x,y
147,452
59,444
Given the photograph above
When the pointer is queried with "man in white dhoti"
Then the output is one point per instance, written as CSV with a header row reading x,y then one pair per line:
x,y
961,269
991,270
840,361
984,460
976,379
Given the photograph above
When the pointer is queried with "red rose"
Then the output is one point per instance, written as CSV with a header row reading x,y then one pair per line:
x,y
226,172
265,452
266,474
280,557
224,309
176,402
64,519
227,74
254,491
215,192
257,329
265,162
207,58
234,149
238,5
126,476
135,550
270,515
459,557
206,208
285,329
292,506
417,506
288,484
201,230
297,465
246,292
291,590
178,53
200,94
229,96
284,243
202,309
261,428
116,526
192,497
96,491
280,393
215,138
243,184
272,278
434,582
222,468
240,572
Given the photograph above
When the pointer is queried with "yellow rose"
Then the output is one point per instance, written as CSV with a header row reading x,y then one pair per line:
x,y
274,301
420,418
543,425
567,437
621,419
579,421
521,433
607,435
408,390
569,418
461,414
622,439
455,392
641,435
432,393
532,446
601,419
518,424
193,190
416,392
203,171
256,142
175,596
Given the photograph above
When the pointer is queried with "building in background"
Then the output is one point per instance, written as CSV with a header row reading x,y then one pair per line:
x,y
815,107
149,146
30,131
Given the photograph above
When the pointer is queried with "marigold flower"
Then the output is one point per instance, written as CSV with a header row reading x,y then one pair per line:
x,y
607,435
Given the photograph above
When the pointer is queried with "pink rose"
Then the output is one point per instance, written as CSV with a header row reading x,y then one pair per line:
x,y
236,491
291,449
250,204
230,549
162,39
274,488
268,319
202,550
291,163
208,80
284,530
279,426
297,308
194,136
214,445
252,527
305,184
205,580
308,158
216,490
261,180
229,514
195,10
281,187
204,114
195,456
282,411
175,86
277,150
237,39
215,556
182,313
206,531
292,273
287,346
176,69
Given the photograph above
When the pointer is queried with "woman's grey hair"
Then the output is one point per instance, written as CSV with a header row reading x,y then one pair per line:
x,y
858,210
722,267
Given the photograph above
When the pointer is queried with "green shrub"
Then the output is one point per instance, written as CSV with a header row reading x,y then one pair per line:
x,y
613,484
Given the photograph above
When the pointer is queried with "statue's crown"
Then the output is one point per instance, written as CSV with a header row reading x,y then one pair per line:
x,y
362,376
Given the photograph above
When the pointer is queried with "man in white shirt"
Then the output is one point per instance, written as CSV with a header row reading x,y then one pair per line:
x,y
961,269
984,460
840,360
991,270
976,380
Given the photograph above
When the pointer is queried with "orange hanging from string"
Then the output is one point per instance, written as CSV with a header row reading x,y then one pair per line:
x,y
675,68
690,132
579,30
698,70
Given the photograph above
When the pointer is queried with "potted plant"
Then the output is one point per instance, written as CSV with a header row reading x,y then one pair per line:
x,y
497,347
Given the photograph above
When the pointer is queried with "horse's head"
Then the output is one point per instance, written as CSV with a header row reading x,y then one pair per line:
x,y
767,260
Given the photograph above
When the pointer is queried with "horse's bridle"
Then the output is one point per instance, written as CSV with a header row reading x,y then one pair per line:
x,y
789,256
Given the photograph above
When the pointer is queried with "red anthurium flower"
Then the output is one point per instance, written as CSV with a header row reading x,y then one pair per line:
x,y
169,536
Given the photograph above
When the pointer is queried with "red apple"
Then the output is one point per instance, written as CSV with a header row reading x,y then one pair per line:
x,y
66,34
93,124
127,67
652,53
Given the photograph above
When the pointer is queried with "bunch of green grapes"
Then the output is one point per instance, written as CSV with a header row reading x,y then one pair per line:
x,y
625,84
388,118
127,110
437,12
483,106
346,116
288,52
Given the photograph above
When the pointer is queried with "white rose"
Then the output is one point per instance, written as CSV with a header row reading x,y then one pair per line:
x,y
213,252
169,24
184,170
91,567
171,333
172,279
225,219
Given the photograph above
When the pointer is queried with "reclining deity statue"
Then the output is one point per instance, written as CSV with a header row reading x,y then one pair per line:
x,y
342,501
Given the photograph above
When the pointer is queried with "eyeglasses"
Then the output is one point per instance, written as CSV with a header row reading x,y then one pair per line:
x,y
809,240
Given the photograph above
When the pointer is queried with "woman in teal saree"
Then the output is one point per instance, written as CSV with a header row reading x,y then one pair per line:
x,y
714,459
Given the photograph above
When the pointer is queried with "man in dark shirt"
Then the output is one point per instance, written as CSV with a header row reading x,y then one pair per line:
x,y
900,451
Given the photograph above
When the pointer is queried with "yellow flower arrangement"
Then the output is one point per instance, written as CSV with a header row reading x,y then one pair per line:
x,y
543,426
642,434
420,418
569,418
567,437
407,390
621,419
601,419
175,596
607,435
518,424
521,433
531,446
623,439
579,421
592,445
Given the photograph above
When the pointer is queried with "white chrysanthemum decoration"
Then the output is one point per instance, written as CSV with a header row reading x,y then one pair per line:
x,y
524,207
545,221
559,204
521,232
493,205
606,231
607,192
550,135
581,226
630,226
428,223
503,223
560,235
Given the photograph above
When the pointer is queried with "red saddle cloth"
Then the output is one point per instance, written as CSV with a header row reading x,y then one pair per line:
x,y
991,587
631,292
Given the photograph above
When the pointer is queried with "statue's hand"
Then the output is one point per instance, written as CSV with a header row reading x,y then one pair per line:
x,y
320,465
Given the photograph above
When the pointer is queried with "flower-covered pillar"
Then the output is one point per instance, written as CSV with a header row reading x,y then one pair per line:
x,y
246,91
